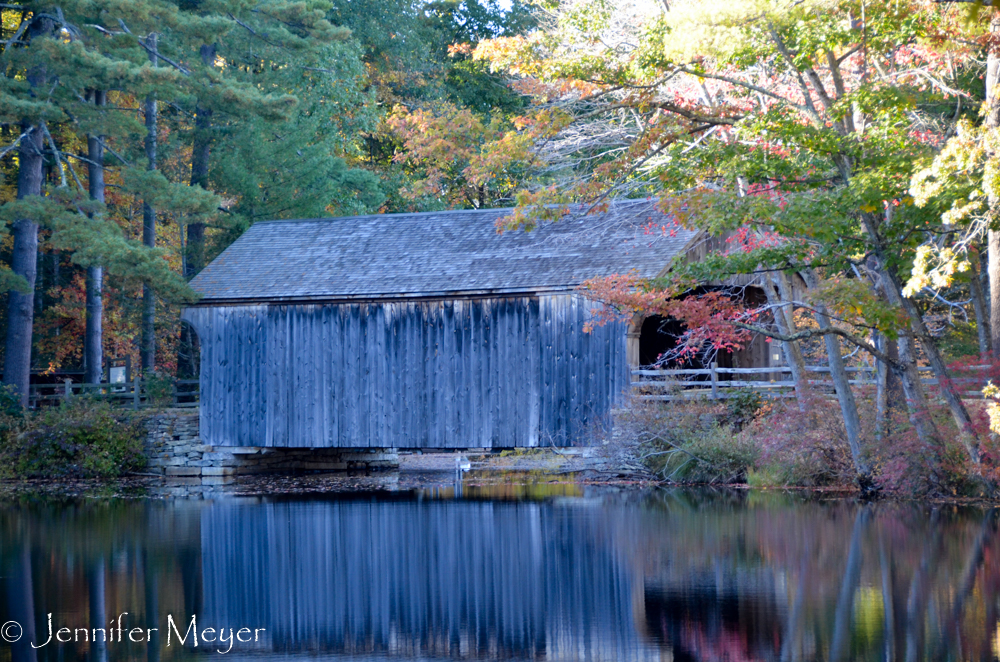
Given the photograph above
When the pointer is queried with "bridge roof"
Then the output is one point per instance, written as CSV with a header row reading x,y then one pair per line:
x,y
437,255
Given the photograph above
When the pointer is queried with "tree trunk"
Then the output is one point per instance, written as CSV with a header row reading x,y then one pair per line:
x,y
148,353
93,338
894,291
848,406
984,286
200,152
994,272
916,397
888,394
979,307
24,256
781,292
993,122
963,421
23,262
187,351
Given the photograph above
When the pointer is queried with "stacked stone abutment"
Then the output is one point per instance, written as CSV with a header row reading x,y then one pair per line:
x,y
174,448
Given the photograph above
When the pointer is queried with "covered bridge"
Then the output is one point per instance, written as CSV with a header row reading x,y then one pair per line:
x,y
418,330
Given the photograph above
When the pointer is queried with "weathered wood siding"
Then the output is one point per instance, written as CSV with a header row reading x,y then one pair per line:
x,y
503,372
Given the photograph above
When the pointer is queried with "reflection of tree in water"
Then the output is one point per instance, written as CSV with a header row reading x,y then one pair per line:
x,y
873,582
717,616
698,576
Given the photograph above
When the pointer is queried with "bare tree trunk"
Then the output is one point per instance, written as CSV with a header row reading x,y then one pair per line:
x,y
848,406
888,393
783,319
893,290
963,421
148,353
984,286
916,397
994,273
979,307
93,337
24,257
993,122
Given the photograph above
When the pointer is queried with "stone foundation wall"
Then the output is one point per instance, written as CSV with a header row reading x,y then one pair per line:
x,y
174,448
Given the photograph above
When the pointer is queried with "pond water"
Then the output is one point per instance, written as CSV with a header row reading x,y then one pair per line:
x,y
559,573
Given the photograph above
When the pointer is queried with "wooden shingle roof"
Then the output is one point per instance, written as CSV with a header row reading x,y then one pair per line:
x,y
436,254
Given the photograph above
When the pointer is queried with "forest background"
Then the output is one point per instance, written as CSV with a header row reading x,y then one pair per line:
x,y
139,138
847,149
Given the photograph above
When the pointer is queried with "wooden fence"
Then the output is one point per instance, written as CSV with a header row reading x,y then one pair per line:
x,y
184,393
694,383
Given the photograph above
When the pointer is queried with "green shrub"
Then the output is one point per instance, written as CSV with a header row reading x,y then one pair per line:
x,y
159,388
764,477
703,452
85,438
743,405
11,413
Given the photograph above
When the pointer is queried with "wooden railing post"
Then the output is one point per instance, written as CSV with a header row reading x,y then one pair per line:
x,y
68,388
715,380
135,393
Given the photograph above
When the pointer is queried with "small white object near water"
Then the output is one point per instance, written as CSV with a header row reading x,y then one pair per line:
x,y
462,463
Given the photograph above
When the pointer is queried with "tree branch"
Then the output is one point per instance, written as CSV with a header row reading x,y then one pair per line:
x,y
153,51
56,152
17,34
811,333
755,88
13,144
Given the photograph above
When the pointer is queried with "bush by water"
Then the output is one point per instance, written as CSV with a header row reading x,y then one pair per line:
x,y
84,438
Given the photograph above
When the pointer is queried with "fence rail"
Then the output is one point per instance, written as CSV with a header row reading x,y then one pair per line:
x,y
134,394
684,383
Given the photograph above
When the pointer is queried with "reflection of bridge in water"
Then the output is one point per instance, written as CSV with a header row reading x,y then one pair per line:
x,y
617,578
472,579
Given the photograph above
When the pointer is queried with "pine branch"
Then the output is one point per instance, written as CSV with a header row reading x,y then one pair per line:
x,y
56,153
13,144
114,153
72,171
153,51
246,27
17,34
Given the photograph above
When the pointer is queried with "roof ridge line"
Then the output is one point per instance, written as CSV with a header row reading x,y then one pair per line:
x,y
626,201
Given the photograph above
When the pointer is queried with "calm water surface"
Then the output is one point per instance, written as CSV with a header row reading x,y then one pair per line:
x,y
673,575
